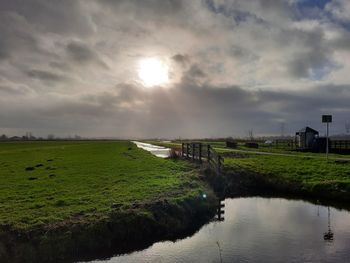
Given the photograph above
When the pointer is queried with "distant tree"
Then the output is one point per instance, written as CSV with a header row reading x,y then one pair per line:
x,y
3,137
51,137
347,127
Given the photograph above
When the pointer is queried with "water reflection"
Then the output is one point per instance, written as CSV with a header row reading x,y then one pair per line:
x,y
329,235
260,230
156,150
220,211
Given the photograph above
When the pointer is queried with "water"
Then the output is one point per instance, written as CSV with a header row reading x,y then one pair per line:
x,y
158,151
259,230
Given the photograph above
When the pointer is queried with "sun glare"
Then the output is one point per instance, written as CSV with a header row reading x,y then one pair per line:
x,y
153,72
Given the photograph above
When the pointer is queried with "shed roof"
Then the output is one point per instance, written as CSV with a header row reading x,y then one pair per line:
x,y
307,129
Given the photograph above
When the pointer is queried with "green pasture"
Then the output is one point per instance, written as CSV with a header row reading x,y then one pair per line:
x,y
308,174
49,182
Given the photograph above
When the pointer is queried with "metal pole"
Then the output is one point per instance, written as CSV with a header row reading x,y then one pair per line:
x,y
327,142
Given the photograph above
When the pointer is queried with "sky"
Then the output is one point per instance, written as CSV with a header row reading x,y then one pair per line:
x,y
173,68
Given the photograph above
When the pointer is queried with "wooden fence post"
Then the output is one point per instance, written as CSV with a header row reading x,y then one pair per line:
x,y
193,151
214,160
187,150
208,153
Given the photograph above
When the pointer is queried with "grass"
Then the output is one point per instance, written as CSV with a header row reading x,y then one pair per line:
x,y
309,174
45,183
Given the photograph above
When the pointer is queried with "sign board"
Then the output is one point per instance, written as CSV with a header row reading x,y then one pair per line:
x,y
326,118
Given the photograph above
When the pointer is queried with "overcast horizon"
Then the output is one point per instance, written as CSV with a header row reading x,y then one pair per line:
x,y
173,68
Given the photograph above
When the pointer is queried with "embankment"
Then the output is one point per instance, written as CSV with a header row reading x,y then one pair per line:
x,y
237,182
120,232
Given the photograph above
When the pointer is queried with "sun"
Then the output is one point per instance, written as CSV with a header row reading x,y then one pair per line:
x,y
153,72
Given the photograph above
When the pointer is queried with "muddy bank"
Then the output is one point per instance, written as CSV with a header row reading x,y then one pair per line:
x,y
122,231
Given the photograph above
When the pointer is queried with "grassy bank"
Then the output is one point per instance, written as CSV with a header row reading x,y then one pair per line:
x,y
302,174
62,195
293,175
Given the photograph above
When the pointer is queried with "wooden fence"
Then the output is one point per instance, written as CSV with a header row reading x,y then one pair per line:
x,y
339,144
285,144
199,152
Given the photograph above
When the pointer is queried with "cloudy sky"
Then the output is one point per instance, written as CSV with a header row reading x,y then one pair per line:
x,y
173,68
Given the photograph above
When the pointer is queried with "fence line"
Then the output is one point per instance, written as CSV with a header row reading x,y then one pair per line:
x,y
339,144
199,152
285,143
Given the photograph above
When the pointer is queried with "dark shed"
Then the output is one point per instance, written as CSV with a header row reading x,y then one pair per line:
x,y
305,138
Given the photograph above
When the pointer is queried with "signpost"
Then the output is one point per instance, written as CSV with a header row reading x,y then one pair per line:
x,y
327,119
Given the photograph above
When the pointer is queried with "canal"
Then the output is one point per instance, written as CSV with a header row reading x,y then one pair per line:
x,y
258,229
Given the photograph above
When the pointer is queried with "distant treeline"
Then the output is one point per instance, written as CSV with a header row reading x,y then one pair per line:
x,y
51,137
30,137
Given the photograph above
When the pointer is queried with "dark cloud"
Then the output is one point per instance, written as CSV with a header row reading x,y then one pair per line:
x,y
195,72
63,17
81,53
191,110
16,35
315,56
147,8
183,60
44,75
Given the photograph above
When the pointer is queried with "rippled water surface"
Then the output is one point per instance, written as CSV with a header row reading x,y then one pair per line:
x,y
260,230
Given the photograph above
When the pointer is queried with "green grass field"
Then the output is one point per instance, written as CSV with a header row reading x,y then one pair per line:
x,y
44,183
310,174
48,182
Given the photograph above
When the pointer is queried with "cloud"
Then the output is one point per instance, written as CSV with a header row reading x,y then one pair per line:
x,y
82,54
340,9
13,91
64,17
44,75
183,60
235,65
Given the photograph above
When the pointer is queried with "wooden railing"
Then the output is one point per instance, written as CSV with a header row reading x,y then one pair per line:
x,y
199,152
